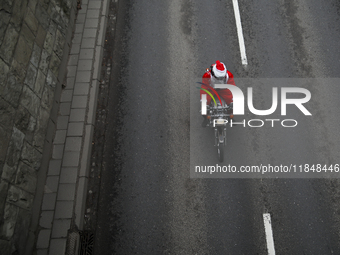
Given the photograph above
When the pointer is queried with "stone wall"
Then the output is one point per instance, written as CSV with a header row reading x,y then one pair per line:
x,y
35,38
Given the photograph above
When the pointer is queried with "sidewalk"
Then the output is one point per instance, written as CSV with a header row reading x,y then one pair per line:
x,y
66,184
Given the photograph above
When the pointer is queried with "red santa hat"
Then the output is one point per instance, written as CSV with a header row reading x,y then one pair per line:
x,y
219,69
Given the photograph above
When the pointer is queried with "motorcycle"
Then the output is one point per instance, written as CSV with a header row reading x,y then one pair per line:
x,y
219,116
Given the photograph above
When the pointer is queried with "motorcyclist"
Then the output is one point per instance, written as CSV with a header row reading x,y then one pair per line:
x,y
217,74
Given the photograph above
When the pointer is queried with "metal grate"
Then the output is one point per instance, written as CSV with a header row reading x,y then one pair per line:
x,y
86,243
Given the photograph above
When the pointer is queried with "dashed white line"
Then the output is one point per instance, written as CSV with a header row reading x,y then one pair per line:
x,y
269,233
240,33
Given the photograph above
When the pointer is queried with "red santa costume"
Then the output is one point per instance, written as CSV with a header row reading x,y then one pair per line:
x,y
218,73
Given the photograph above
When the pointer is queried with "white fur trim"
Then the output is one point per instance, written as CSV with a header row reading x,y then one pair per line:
x,y
219,73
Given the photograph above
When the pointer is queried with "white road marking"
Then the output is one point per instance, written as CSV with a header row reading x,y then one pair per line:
x,y
269,233
240,33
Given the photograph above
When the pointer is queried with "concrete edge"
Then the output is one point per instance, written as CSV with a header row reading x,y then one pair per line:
x,y
81,193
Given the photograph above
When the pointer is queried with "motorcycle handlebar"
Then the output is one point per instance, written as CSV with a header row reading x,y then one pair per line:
x,y
219,115
218,107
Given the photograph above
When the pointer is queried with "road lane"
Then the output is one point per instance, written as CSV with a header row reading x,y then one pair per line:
x,y
303,215
133,193
148,204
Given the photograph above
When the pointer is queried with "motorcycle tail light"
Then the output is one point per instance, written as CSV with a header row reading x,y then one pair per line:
x,y
231,116
208,117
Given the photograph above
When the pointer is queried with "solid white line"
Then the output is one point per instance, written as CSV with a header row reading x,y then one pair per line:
x,y
240,33
269,233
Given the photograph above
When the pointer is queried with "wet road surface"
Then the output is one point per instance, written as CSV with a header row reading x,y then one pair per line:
x,y
141,197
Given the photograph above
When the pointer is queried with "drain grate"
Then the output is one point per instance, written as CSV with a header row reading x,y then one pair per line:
x,y
86,243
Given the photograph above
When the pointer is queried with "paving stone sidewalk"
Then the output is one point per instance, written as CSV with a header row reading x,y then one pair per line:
x,y
66,184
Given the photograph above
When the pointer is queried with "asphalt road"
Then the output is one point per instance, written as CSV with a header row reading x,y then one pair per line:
x,y
142,199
